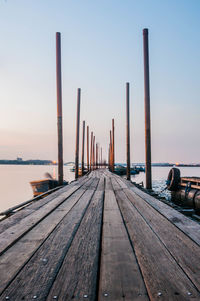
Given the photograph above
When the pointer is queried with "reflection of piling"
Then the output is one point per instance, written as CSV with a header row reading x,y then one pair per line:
x,y
87,148
59,108
147,111
77,133
127,133
83,148
113,145
91,150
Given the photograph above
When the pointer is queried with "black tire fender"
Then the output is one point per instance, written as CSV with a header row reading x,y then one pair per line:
x,y
173,179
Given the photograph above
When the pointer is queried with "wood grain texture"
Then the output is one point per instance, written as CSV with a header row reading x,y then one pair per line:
x,y
163,277
185,224
17,216
37,276
184,250
15,232
120,276
24,248
78,275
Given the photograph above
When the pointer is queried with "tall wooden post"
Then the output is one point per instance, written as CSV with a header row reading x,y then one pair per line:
x,y
77,133
91,150
109,156
110,165
87,148
127,134
113,146
59,108
83,149
101,159
147,111
96,155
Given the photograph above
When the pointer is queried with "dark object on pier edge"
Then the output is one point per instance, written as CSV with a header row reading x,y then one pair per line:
x,y
42,186
185,191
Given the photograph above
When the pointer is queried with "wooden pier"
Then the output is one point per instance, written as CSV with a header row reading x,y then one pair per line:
x,y
99,238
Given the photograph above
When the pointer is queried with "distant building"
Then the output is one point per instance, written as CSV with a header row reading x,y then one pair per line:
x,y
19,159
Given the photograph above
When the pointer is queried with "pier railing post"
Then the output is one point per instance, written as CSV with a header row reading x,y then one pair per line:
x,y
59,108
87,148
127,133
83,149
77,133
147,111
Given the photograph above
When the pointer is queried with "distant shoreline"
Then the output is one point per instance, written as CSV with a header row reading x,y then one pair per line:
x,y
49,162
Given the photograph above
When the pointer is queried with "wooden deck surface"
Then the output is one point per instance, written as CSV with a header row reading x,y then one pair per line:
x,y
99,238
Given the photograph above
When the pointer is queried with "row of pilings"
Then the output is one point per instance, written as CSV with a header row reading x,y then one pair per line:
x,y
95,159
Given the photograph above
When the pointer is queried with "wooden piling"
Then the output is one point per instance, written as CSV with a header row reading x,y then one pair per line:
x,y
77,133
113,146
147,111
109,156
97,155
110,152
87,148
101,159
59,108
91,151
127,133
83,149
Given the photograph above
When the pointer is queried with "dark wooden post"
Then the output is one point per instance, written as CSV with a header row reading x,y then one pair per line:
x,y
83,149
101,158
77,133
127,133
109,156
96,155
59,108
113,146
91,150
110,165
147,111
87,148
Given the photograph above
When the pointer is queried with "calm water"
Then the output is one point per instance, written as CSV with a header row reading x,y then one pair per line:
x,y
14,182
15,187
159,177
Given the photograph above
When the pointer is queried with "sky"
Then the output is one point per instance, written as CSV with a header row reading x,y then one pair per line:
x,y
102,49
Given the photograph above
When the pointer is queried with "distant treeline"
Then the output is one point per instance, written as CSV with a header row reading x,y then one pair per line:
x,y
27,162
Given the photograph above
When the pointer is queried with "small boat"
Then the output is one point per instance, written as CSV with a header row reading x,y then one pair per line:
x,y
140,168
121,170
42,186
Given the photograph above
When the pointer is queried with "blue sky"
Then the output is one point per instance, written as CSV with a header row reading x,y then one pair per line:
x,y
101,51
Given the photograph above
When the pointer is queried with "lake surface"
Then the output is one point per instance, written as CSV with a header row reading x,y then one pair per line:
x,y
15,187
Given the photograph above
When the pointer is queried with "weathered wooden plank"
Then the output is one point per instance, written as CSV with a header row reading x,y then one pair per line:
x,y
13,233
77,277
120,276
24,248
163,276
178,244
37,276
15,218
185,224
